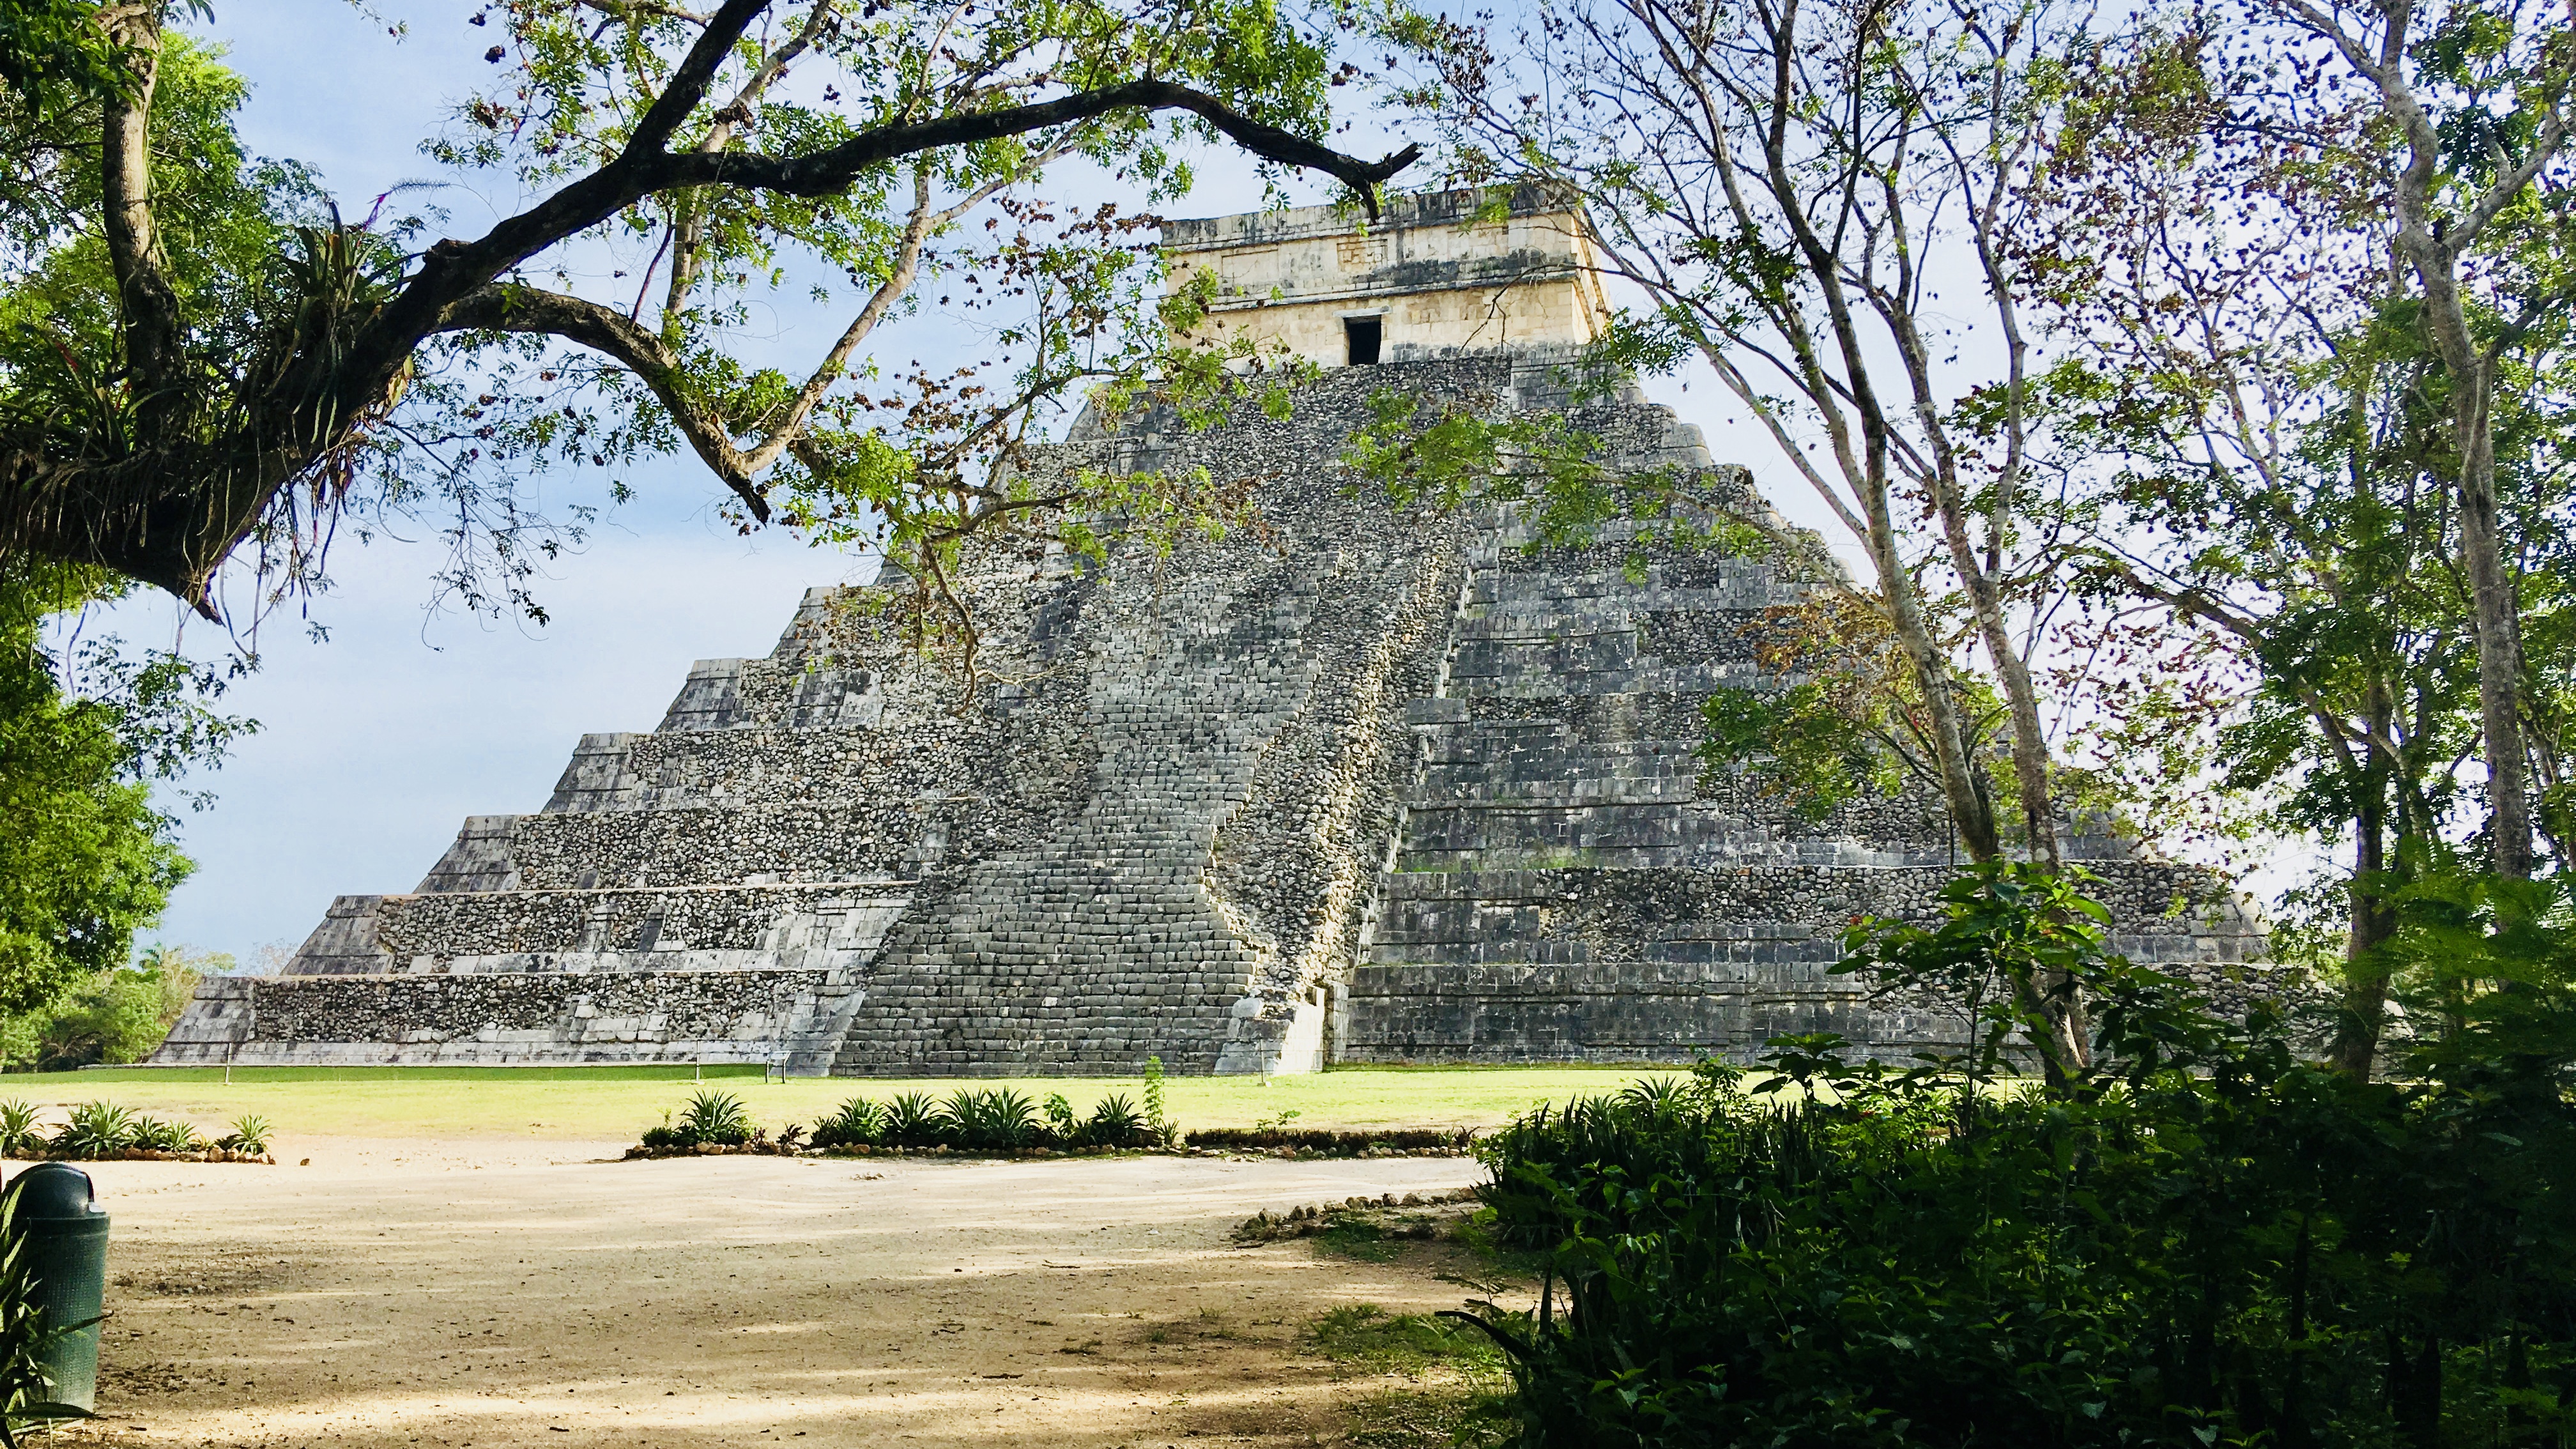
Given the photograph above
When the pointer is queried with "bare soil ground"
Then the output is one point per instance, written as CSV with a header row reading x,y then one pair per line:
x,y
497,1294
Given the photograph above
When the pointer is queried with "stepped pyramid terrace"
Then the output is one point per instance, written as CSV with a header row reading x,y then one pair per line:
x,y
1360,785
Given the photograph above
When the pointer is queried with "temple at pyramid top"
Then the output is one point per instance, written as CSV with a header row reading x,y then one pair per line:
x,y
1481,269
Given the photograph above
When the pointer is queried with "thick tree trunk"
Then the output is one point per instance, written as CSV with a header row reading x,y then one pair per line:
x,y
152,333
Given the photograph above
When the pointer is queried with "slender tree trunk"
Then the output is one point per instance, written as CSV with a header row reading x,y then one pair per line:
x,y
2433,246
2365,979
1970,807
2030,742
2491,593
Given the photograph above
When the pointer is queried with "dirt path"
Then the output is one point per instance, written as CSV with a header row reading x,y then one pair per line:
x,y
478,1294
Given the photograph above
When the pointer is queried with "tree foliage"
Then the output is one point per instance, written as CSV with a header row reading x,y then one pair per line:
x,y
1778,182
119,1015
176,402
86,859
2201,1241
2259,362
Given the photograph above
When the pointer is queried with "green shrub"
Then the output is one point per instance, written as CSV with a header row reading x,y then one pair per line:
x,y
1063,1129
96,1129
856,1124
2202,1241
115,1016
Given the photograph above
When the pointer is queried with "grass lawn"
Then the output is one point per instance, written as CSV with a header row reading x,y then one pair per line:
x,y
537,1103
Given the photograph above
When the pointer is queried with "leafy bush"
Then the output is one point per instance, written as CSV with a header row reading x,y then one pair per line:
x,y
2200,1241
913,1120
1062,1127
856,1124
21,1131
96,1129
113,1016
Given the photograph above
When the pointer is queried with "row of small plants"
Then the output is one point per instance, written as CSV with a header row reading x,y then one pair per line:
x,y
1285,1141
995,1120
968,1120
100,1130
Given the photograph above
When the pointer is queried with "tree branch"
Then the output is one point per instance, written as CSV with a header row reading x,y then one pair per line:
x,y
510,308
688,84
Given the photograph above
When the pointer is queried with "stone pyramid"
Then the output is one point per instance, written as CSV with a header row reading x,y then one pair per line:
x,y
1353,785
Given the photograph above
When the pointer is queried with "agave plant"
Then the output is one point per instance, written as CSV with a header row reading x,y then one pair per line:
x,y
1010,1121
249,1135
96,1129
1657,1095
996,1121
714,1116
20,1131
1115,1122
913,1120
156,1134
963,1115
856,1124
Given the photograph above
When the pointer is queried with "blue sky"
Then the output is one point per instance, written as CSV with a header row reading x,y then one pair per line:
x,y
375,745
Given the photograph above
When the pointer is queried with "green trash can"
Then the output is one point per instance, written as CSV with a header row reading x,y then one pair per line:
x,y
64,1238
